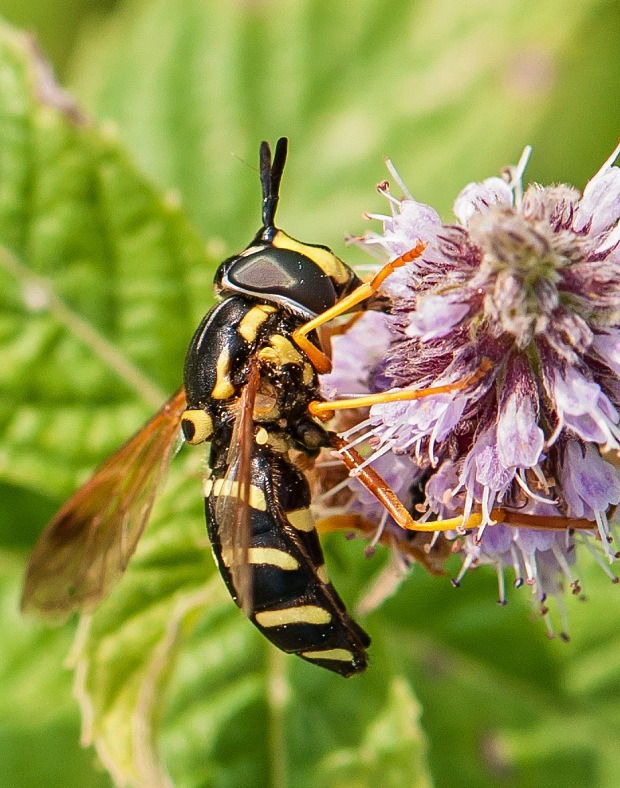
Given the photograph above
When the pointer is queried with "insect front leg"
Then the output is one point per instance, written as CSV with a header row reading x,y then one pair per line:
x,y
319,360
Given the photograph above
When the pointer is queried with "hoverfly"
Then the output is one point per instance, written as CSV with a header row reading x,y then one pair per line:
x,y
251,389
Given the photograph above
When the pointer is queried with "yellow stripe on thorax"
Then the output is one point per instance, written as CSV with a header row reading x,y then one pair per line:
x,y
223,388
326,260
280,351
253,320
304,614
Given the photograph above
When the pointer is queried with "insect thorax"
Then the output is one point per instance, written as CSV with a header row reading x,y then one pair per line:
x,y
235,335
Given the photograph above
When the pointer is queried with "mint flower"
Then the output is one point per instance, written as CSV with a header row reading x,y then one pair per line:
x,y
522,296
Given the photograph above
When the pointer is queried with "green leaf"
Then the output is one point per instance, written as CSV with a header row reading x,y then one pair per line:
x,y
39,719
30,658
391,753
102,283
55,32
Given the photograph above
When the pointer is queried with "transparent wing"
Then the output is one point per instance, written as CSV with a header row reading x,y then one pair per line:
x,y
232,508
86,547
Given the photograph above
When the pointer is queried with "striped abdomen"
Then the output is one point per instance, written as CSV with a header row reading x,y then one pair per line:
x,y
293,602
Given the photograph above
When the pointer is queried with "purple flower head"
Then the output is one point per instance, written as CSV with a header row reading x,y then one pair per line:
x,y
516,307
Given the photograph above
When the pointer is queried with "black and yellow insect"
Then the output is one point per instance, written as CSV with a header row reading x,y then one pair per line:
x,y
248,387
251,389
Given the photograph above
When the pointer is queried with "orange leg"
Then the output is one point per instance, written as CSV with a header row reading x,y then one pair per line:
x,y
514,519
432,559
324,409
319,360
375,484
541,522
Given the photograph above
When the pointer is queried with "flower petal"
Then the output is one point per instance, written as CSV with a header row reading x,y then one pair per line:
x,y
589,483
434,317
477,197
520,440
599,208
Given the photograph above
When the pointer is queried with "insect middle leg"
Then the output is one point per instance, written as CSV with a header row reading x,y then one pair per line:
x,y
375,484
324,409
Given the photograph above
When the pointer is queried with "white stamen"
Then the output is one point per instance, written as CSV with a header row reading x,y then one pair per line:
x,y
425,516
387,436
352,444
563,618
613,531
378,240
380,529
523,162
586,540
402,560
516,563
469,502
369,460
394,173
488,499
380,217
357,428
394,201
603,529
433,541
417,437
559,557
516,181
523,485
332,491
531,570
501,582
469,560
568,541
550,631
480,533
369,268
538,472
363,243
609,162
328,464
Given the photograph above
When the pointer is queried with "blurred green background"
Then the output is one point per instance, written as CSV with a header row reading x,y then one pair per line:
x,y
181,92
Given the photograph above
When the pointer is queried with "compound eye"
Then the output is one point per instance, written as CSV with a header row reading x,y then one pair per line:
x,y
197,426
282,275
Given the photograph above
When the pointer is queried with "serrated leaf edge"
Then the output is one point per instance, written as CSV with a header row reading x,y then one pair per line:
x,y
150,771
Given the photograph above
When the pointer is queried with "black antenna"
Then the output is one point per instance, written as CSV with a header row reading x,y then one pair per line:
x,y
270,177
